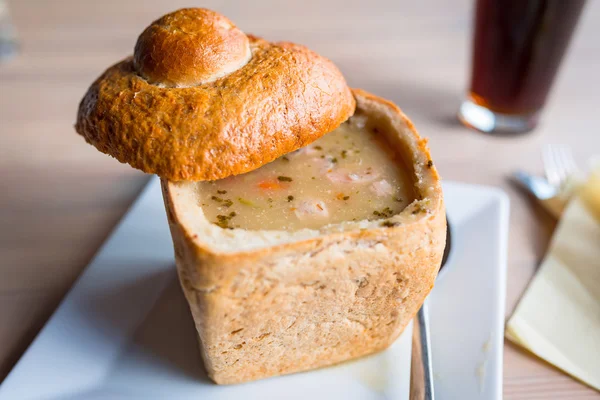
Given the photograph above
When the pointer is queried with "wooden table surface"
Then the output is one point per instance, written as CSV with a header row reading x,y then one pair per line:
x,y
60,198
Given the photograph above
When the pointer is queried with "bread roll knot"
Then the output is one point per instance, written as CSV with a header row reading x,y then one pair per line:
x,y
190,47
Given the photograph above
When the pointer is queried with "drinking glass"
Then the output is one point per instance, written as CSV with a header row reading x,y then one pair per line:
x,y
517,50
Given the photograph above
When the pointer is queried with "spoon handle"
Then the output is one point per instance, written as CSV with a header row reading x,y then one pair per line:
x,y
422,373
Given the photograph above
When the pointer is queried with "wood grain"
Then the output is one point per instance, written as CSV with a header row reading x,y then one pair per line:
x,y
60,198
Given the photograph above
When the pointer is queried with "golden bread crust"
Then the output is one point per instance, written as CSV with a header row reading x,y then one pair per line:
x,y
283,98
190,47
268,303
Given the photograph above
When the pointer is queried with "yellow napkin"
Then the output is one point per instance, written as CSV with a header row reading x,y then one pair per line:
x,y
558,318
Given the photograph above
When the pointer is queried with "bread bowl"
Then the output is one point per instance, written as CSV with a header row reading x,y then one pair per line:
x,y
290,298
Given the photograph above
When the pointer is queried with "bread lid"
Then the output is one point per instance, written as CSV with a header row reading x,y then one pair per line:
x,y
201,100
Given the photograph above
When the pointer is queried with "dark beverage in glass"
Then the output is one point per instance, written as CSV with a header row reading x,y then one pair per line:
x,y
517,49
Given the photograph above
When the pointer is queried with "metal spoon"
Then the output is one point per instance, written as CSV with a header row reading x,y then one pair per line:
x,y
421,369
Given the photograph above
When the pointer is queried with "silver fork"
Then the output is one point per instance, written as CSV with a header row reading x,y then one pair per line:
x,y
559,165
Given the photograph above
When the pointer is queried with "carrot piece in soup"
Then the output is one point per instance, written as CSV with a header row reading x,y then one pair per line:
x,y
270,185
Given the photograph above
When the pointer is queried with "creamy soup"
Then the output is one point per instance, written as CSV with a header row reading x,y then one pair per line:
x,y
349,174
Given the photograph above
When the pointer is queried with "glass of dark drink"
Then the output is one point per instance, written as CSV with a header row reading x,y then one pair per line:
x,y
517,49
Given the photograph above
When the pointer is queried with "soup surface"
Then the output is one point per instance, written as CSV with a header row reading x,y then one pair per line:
x,y
349,174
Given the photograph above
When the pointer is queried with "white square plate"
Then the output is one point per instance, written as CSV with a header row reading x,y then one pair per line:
x,y
124,330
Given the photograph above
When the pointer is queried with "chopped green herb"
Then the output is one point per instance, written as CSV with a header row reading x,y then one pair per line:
x,y
345,197
344,153
290,198
323,156
284,179
313,177
385,213
227,203
222,191
223,220
217,199
418,209
429,164
246,202
223,224
270,200
284,158
334,160
318,148
389,224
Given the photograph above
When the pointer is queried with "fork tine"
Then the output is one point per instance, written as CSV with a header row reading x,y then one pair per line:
x,y
550,168
559,164
569,161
